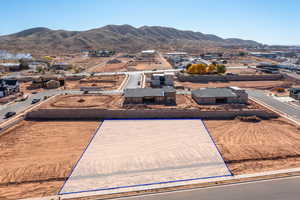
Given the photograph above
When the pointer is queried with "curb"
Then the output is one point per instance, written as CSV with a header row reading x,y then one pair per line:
x,y
125,81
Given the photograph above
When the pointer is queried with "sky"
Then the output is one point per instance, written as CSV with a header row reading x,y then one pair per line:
x,y
266,21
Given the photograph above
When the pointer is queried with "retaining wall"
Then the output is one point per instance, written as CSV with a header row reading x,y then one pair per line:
x,y
91,114
226,78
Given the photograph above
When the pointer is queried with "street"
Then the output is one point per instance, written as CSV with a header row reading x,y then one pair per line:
x,y
274,189
288,109
23,105
134,80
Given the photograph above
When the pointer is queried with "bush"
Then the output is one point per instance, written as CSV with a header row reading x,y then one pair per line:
x,y
221,69
241,53
253,119
280,90
81,100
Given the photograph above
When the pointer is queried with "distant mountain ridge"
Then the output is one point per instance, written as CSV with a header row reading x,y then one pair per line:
x,y
116,37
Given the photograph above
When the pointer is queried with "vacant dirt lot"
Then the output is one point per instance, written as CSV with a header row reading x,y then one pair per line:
x,y
106,82
241,71
115,67
36,157
254,147
160,63
263,85
85,101
88,62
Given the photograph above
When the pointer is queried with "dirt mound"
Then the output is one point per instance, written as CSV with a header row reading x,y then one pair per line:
x,y
253,119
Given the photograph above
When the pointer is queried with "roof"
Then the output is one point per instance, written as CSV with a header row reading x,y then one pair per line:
x,y
9,64
176,53
235,88
148,92
144,92
149,51
169,89
214,92
295,88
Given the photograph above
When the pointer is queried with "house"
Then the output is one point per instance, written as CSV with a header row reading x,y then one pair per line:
x,y
61,66
9,87
165,95
176,54
160,80
100,53
148,53
7,67
263,54
46,82
295,93
220,95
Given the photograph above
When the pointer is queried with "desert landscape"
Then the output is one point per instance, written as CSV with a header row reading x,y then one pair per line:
x,y
49,151
250,147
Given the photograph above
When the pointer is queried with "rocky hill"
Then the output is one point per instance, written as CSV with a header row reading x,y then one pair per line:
x,y
115,37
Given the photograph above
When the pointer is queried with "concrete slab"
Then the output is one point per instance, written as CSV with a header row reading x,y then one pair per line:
x,y
139,153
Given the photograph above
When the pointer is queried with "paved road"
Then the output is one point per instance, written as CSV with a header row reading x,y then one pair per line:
x,y
134,80
277,189
288,109
23,105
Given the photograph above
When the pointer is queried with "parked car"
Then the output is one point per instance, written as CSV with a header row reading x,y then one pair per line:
x,y
35,101
9,114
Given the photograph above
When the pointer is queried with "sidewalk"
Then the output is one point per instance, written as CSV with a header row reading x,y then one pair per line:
x,y
229,179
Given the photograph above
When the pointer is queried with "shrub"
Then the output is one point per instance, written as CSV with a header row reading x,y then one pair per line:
x,y
221,69
280,90
81,100
253,119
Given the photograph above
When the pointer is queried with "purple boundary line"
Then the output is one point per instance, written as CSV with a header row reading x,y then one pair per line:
x,y
145,184
90,141
216,147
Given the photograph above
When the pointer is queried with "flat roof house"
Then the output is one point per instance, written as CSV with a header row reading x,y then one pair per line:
x,y
8,87
165,95
220,95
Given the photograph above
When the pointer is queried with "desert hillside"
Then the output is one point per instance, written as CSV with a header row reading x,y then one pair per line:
x,y
115,37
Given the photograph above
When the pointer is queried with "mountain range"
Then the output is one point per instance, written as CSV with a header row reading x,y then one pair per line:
x,y
124,38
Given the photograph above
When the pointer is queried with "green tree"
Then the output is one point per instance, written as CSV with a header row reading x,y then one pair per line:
x,y
221,69
241,53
